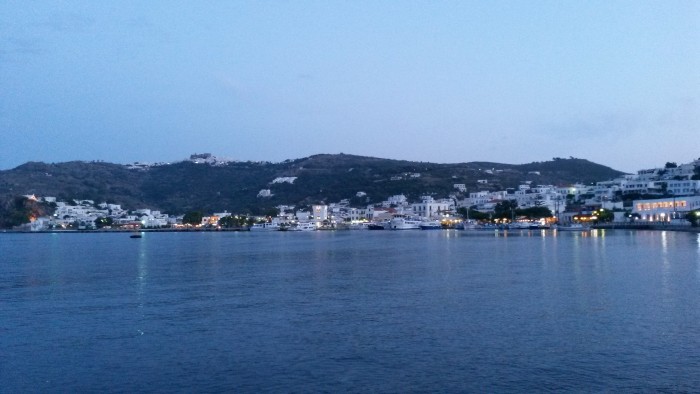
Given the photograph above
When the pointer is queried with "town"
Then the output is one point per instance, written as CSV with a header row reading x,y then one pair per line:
x,y
664,195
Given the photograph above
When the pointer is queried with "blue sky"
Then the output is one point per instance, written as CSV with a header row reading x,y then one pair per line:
x,y
615,82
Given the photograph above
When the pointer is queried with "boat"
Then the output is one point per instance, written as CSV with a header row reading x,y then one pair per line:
x,y
265,227
430,225
401,222
136,235
306,226
468,225
376,226
572,227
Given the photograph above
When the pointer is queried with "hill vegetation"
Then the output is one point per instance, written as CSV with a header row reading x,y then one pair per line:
x,y
186,186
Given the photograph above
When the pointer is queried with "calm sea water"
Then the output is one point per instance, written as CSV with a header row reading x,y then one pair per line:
x,y
410,311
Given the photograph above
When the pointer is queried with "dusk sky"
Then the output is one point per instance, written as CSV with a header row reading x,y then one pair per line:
x,y
615,82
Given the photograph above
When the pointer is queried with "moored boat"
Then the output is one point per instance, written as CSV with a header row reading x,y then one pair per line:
x,y
265,227
572,227
430,225
376,226
401,222
306,226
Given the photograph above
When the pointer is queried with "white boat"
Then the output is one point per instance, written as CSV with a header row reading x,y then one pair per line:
x,y
430,225
520,226
572,227
468,225
265,227
401,222
306,226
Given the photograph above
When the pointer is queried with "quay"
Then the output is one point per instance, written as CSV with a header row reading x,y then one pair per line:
x,y
647,226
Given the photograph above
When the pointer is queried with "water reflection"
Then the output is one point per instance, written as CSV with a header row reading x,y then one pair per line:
x,y
141,282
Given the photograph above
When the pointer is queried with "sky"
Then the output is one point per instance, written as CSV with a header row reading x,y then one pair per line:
x,y
614,82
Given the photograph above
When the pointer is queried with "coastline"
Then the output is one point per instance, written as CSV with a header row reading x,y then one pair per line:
x,y
605,226
149,230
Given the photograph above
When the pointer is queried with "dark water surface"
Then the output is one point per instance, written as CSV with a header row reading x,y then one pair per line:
x,y
410,311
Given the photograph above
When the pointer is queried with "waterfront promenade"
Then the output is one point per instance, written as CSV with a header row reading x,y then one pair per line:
x,y
648,226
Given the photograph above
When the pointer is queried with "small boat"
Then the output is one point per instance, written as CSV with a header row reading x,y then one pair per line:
x,y
468,225
306,226
136,235
265,227
430,225
572,227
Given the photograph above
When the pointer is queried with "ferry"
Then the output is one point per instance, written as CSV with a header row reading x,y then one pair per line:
x,y
400,222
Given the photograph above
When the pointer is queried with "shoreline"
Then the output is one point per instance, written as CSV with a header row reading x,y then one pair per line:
x,y
145,230
607,226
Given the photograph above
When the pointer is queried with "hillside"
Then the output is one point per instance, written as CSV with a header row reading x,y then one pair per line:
x,y
184,186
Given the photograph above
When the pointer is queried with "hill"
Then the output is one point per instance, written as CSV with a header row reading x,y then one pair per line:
x,y
234,186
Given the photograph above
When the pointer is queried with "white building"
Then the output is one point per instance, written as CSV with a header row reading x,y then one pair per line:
x,y
319,212
397,200
665,209
432,209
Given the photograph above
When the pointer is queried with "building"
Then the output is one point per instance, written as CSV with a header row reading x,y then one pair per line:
x,y
665,209
432,209
319,212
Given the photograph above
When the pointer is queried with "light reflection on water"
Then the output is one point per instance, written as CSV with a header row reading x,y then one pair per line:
x,y
452,311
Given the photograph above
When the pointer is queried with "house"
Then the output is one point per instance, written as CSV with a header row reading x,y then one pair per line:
x,y
264,193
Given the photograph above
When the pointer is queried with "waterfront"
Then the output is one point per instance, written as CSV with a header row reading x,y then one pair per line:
x,y
351,311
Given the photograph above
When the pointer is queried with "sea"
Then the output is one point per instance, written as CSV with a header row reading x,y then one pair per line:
x,y
350,311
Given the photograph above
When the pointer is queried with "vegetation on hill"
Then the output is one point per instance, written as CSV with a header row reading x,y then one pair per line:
x,y
186,186
20,210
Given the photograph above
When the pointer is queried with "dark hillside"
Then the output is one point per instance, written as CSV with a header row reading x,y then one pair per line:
x,y
184,186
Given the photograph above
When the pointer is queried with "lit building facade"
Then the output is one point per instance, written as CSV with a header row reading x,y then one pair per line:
x,y
665,209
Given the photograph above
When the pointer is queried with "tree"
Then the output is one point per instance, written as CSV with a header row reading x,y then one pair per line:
x,y
671,164
21,210
693,217
505,209
192,217
534,212
271,212
472,214
605,215
103,222
234,221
